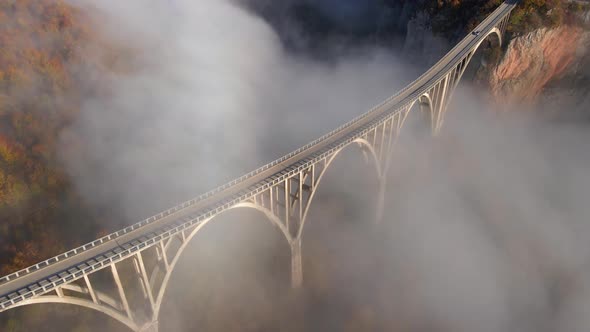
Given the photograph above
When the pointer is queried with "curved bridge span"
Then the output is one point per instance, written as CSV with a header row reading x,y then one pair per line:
x,y
282,190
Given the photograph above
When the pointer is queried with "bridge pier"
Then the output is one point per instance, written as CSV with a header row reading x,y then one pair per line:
x,y
296,265
149,327
379,213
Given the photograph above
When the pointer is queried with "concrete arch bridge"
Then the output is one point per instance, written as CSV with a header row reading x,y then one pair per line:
x,y
283,191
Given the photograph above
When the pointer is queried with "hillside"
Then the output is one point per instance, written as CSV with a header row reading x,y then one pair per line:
x,y
546,45
43,80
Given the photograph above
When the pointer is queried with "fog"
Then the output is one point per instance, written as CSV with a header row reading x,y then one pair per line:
x,y
486,224
208,101
494,227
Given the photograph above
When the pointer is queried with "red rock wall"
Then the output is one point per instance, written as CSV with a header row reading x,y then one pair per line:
x,y
532,61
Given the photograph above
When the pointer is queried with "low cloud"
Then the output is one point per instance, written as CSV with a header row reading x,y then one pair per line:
x,y
212,95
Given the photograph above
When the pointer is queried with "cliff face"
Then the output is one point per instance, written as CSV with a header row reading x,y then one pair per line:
x,y
534,60
569,96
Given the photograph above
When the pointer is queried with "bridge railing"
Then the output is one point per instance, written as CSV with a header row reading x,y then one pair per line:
x,y
228,185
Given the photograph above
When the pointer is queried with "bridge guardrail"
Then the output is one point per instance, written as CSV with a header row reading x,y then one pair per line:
x,y
227,185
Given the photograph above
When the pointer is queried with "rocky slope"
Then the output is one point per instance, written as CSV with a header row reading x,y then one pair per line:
x,y
534,60
545,66
570,94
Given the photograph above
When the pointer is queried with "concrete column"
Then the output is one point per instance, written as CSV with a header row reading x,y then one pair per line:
x,y
150,327
296,264
121,290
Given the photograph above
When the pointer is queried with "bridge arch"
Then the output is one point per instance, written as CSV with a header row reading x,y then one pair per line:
x,y
125,320
81,303
243,205
424,100
375,158
494,37
426,117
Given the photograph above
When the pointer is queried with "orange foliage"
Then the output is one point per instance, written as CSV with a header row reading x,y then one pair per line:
x,y
30,252
41,45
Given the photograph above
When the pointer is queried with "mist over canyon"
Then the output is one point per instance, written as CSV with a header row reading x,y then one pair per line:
x,y
486,224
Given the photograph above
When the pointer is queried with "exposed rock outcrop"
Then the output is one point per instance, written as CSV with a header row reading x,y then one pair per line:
x,y
534,60
570,95
584,17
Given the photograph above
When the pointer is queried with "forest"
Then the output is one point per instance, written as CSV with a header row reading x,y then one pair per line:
x,y
43,81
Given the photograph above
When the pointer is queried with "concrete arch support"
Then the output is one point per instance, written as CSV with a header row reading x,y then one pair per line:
x,y
116,315
178,253
322,174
